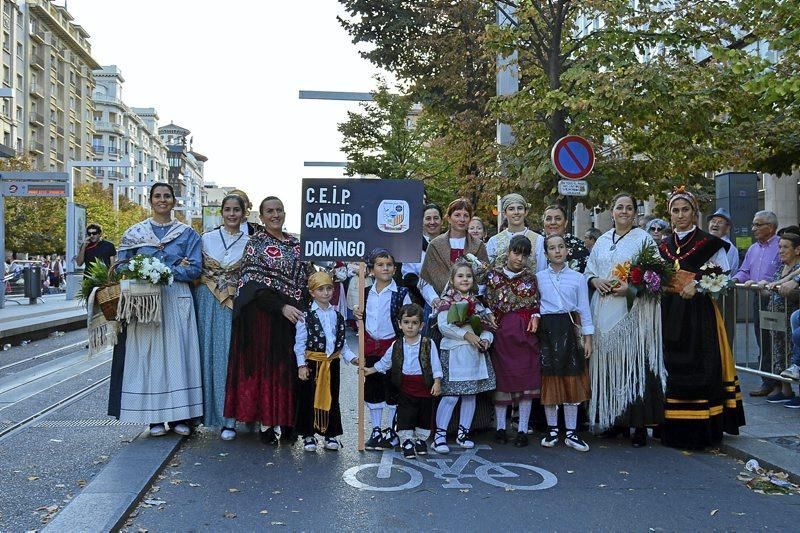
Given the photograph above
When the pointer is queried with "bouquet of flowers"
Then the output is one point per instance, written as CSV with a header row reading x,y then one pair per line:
x,y
463,310
150,269
647,275
140,288
713,281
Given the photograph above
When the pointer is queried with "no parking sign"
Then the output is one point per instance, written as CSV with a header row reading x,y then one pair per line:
x,y
573,157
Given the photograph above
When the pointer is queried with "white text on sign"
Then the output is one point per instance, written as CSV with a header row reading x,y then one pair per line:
x,y
327,195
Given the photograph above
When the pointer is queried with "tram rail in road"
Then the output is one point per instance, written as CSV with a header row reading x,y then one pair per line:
x,y
17,388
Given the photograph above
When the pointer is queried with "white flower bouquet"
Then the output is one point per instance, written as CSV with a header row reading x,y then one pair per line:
x,y
140,298
149,269
713,281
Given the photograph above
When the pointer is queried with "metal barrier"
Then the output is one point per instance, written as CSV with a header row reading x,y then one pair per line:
x,y
760,337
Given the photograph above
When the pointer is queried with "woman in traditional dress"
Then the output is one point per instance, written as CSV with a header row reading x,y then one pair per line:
x,y
627,366
443,251
554,221
515,209
702,395
272,295
156,375
222,253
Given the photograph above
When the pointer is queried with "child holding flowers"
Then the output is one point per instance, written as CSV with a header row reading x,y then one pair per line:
x,y
466,367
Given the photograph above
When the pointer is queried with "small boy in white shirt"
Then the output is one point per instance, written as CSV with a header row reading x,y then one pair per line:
x,y
319,342
415,370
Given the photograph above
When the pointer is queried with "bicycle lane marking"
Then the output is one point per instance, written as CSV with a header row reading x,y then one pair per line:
x,y
408,476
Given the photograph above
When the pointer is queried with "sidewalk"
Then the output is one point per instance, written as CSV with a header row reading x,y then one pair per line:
x,y
52,311
772,433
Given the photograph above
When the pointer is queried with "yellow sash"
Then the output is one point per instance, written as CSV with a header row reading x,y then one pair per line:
x,y
322,391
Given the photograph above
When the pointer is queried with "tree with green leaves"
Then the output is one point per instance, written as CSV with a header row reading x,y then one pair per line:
x,y
626,75
434,48
772,27
38,225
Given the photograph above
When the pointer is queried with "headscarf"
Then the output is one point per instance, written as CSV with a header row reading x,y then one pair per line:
x,y
680,193
512,198
319,279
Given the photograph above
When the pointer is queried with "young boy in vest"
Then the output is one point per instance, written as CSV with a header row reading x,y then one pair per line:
x,y
416,372
382,301
318,344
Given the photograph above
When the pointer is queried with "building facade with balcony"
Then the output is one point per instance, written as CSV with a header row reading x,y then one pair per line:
x,y
47,64
128,135
185,169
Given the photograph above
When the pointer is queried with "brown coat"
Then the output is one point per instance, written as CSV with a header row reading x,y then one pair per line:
x,y
436,267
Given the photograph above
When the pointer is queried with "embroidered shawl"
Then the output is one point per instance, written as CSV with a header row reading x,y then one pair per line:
x,y
275,264
505,294
436,267
142,234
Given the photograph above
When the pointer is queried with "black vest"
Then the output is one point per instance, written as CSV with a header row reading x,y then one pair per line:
x,y
424,361
315,342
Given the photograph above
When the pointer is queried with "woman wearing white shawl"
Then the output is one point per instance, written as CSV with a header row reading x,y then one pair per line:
x,y
627,366
156,373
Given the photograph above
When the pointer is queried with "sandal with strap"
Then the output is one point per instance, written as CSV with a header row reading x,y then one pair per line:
x,y
463,439
440,441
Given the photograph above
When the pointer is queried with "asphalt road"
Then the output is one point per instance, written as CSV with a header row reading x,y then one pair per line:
x,y
43,466
211,485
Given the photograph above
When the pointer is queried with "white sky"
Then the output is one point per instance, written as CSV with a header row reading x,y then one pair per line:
x,y
230,72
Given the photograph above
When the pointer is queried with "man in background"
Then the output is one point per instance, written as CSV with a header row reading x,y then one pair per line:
x,y
94,247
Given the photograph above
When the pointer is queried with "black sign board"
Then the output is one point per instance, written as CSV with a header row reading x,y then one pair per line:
x,y
345,219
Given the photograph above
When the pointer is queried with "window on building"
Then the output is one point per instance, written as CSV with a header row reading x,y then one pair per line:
x,y
6,76
19,144
97,116
20,50
19,114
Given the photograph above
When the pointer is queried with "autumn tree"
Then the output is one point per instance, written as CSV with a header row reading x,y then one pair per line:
x,y
38,225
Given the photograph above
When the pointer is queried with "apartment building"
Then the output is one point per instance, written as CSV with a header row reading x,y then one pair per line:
x,y
185,169
128,135
47,64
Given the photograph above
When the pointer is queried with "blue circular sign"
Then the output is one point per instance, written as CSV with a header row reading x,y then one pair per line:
x,y
573,157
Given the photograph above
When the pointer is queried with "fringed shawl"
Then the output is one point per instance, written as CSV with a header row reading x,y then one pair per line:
x,y
102,333
436,267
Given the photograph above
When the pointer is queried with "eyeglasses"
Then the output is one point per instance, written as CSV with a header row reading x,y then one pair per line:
x,y
759,224
90,233
656,230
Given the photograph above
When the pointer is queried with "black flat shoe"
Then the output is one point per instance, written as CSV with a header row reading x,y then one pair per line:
x,y
639,439
268,436
522,440
500,436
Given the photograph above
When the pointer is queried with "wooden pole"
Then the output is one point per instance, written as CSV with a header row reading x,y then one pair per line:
x,y
361,283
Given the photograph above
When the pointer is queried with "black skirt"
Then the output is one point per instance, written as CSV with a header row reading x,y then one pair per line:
x,y
562,354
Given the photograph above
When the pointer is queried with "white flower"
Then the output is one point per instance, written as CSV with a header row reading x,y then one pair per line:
x,y
706,283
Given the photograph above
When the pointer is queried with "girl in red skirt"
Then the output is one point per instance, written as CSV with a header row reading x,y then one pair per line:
x,y
513,297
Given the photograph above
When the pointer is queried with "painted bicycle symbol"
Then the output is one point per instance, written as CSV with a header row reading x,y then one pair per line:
x,y
448,468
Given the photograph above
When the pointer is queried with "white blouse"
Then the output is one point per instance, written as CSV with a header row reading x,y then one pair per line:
x,y
563,292
224,247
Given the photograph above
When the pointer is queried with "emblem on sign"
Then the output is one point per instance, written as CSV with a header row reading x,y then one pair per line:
x,y
393,216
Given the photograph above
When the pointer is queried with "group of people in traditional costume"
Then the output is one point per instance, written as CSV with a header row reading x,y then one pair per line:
x,y
530,323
